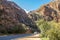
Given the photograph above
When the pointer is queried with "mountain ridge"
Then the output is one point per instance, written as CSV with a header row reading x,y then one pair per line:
x,y
11,16
50,11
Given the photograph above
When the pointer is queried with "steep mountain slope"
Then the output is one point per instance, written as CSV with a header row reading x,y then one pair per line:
x,y
12,15
50,11
35,15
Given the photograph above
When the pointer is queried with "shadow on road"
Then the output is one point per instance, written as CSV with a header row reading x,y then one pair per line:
x,y
10,37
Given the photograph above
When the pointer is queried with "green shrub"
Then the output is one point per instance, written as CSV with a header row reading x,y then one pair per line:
x,y
13,29
50,29
44,38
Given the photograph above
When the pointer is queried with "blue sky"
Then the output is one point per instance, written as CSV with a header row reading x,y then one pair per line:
x,y
30,4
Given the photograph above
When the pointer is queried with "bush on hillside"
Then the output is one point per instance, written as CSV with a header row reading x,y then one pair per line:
x,y
50,29
11,30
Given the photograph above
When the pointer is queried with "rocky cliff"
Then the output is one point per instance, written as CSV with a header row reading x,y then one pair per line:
x,y
50,11
35,15
11,15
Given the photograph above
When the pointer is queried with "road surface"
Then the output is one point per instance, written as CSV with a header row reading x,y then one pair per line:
x,y
18,37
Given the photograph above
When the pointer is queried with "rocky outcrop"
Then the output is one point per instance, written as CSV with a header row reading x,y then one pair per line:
x,y
35,16
11,15
50,11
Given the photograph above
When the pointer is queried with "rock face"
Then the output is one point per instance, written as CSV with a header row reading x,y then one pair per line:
x,y
50,11
12,15
35,15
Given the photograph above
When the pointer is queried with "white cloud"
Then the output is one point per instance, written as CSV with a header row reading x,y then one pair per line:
x,y
26,11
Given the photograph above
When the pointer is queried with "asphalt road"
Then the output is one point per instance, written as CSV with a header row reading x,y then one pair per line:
x,y
13,37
